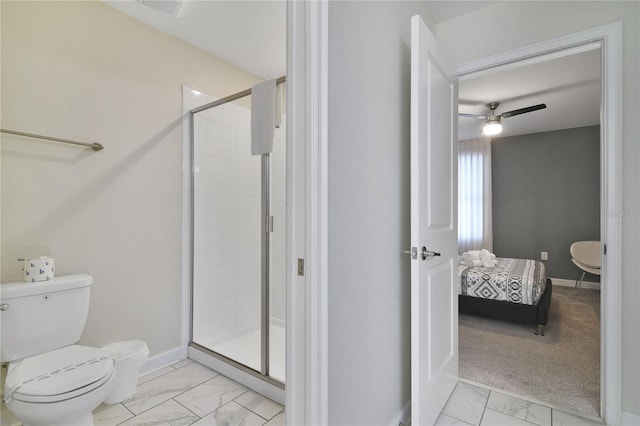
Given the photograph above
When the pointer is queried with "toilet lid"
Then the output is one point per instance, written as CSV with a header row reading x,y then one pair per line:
x,y
58,375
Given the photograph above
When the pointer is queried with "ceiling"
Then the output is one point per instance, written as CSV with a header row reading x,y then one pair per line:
x,y
568,84
252,35
248,34
441,11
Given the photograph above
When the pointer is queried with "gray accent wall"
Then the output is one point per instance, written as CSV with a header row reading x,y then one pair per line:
x,y
546,195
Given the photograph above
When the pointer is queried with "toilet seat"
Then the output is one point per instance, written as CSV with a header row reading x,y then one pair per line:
x,y
59,375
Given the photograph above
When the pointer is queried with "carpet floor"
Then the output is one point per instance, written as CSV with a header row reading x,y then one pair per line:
x,y
562,368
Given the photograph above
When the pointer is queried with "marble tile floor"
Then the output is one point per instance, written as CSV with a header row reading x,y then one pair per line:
x,y
472,404
187,393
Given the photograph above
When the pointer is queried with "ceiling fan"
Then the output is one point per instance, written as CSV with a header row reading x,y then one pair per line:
x,y
492,125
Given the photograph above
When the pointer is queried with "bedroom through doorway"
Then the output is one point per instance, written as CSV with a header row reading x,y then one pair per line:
x,y
540,193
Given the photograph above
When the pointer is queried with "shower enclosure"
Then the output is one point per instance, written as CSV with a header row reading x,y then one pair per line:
x,y
238,240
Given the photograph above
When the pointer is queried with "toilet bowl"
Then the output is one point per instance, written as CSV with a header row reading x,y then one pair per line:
x,y
60,387
51,380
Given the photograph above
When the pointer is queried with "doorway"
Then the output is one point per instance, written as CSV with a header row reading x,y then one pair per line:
x,y
608,229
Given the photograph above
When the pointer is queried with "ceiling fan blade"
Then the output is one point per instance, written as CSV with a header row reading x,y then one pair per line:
x,y
523,110
479,117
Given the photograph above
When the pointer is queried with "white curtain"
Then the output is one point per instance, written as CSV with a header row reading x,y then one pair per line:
x,y
475,229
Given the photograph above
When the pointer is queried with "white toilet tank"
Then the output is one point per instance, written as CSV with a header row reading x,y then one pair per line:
x,y
42,316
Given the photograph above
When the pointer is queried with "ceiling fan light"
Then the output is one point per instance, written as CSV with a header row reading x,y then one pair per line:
x,y
492,127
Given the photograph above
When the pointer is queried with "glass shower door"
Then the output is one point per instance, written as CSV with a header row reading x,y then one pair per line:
x,y
238,241
227,261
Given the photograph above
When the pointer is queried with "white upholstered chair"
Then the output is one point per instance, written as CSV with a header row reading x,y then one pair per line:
x,y
586,256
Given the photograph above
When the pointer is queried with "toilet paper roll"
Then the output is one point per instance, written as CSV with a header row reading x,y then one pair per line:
x,y
38,269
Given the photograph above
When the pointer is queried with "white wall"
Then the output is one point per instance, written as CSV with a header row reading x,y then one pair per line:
x,y
369,278
508,25
82,70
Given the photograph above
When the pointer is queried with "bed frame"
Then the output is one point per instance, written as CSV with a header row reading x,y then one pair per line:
x,y
530,314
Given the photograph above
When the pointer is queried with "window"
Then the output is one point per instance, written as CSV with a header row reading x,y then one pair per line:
x,y
475,228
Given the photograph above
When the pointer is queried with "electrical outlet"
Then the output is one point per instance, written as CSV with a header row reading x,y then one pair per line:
x,y
544,255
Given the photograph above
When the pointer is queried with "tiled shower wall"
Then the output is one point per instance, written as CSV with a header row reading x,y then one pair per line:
x,y
227,224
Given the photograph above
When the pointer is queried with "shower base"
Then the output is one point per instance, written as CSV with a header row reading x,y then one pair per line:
x,y
245,349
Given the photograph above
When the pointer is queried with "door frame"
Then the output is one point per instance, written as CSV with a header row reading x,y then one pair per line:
x,y
610,39
306,389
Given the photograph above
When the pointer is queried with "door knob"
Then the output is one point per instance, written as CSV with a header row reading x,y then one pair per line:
x,y
413,252
428,253
424,253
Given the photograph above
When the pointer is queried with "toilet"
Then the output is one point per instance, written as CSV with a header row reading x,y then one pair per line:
x,y
51,380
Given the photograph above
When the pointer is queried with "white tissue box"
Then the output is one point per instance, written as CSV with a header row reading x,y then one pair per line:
x,y
38,269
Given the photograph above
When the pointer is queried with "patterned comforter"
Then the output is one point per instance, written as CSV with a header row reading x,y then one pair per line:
x,y
513,280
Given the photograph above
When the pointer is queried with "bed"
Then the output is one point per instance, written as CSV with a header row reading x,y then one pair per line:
x,y
515,289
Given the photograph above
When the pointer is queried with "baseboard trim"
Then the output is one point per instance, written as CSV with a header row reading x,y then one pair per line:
x,y
404,417
630,419
164,359
572,283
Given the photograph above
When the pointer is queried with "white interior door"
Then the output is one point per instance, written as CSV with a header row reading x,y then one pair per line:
x,y
434,296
